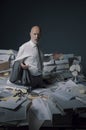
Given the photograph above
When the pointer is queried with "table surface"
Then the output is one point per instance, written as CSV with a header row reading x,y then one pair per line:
x,y
59,103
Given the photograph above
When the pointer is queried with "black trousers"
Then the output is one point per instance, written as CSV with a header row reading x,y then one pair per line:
x,y
36,81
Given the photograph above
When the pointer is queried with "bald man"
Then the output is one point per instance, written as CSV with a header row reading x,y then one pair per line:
x,y
32,61
33,57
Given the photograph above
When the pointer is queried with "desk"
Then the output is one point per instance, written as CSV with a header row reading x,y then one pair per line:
x,y
64,109
53,108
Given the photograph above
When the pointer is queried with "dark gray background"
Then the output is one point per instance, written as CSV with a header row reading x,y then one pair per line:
x,y
63,24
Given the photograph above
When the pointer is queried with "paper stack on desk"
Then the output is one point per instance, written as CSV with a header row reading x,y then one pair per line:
x,y
9,115
4,62
11,98
12,102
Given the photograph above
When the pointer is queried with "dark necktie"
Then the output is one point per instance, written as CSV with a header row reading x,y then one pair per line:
x,y
40,60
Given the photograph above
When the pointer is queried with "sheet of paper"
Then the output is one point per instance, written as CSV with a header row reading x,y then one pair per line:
x,y
41,109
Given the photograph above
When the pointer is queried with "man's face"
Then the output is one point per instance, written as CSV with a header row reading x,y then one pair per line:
x,y
35,34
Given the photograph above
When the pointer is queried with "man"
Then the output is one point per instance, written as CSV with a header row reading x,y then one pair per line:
x,y
32,58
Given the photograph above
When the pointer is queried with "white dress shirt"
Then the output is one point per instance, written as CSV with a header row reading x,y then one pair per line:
x,y
29,51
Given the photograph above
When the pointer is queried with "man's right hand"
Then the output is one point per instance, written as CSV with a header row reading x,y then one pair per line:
x,y
24,66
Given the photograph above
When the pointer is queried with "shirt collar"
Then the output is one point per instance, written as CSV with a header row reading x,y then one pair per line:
x,y
32,44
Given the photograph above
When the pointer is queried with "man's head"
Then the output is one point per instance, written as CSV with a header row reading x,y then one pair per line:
x,y
35,34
